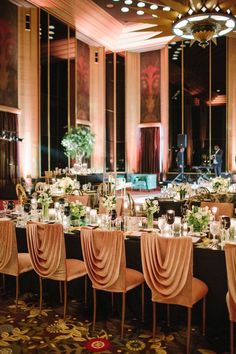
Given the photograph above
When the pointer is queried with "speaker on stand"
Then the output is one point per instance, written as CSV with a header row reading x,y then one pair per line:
x,y
182,144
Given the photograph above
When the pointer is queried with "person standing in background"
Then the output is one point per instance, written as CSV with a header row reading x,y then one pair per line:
x,y
217,160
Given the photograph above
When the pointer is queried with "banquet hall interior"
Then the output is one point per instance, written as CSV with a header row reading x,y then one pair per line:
x,y
117,176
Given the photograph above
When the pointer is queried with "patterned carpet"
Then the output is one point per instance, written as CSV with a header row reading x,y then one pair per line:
x,y
26,331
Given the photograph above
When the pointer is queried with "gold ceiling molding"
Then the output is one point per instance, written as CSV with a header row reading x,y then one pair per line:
x,y
94,23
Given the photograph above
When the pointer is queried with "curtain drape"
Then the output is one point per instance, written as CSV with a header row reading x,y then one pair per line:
x,y
8,150
150,150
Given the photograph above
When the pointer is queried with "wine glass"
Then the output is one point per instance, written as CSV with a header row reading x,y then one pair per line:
x,y
214,228
34,204
161,222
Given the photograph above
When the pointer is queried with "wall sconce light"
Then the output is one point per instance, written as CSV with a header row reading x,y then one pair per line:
x,y
96,57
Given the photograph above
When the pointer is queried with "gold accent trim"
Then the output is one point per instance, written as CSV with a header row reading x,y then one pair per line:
x,y
48,84
68,78
40,94
76,85
149,125
10,109
182,89
210,98
115,111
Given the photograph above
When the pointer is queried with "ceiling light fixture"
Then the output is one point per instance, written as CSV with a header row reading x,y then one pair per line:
x,y
200,21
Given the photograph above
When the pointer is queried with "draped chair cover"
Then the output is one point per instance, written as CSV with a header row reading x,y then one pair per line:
x,y
222,208
46,246
230,255
84,199
167,268
104,255
8,248
119,206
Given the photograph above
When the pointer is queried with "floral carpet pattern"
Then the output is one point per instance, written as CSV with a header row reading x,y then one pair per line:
x,y
25,330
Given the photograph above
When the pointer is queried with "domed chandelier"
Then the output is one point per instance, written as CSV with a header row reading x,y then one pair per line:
x,y
200,21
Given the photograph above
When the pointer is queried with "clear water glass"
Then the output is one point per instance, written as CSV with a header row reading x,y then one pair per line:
x,y
162,222
215,228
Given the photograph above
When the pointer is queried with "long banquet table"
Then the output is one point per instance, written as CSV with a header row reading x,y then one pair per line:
x,y
208,265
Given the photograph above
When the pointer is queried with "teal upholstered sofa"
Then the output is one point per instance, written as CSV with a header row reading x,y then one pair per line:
x,y
143,181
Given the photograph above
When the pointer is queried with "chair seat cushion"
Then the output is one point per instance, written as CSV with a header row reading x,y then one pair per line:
x,y
199,290
133,278
24,262
75,269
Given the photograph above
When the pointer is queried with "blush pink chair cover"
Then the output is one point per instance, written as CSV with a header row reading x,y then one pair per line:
x,y
47,251
84,199
104,255
11,262
167,268
230,255
119,206
222,208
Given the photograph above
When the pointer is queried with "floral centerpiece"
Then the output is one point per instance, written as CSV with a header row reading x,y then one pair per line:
x,y
67,184
78,142
220,184
182,189
45,200
77,210
198,218
109,202
150,206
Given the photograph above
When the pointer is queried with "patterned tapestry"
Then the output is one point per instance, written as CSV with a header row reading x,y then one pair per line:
x,y
8,55
150,87
82,81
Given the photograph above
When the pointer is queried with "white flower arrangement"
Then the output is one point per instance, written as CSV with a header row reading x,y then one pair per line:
x,y
77,210
182,188
151,205
220,184
44,198
109,202
199,217
67,184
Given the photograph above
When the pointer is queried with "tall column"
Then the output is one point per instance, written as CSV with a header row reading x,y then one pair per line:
x,y
164,146
97,106
132,111
29,93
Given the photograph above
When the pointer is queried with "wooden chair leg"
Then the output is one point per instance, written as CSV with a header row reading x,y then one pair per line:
x,y
40,294
142,302
189,329
231,337
94,307
204,316
86,290
17,290
168,315
154,320
60,291
65,299
123,315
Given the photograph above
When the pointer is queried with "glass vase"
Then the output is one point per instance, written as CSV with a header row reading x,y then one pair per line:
x,y
149,220
45,211
75,222
182,195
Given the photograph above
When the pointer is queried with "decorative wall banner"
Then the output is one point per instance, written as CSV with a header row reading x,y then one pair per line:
x,y
8,54
82,81
150,87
